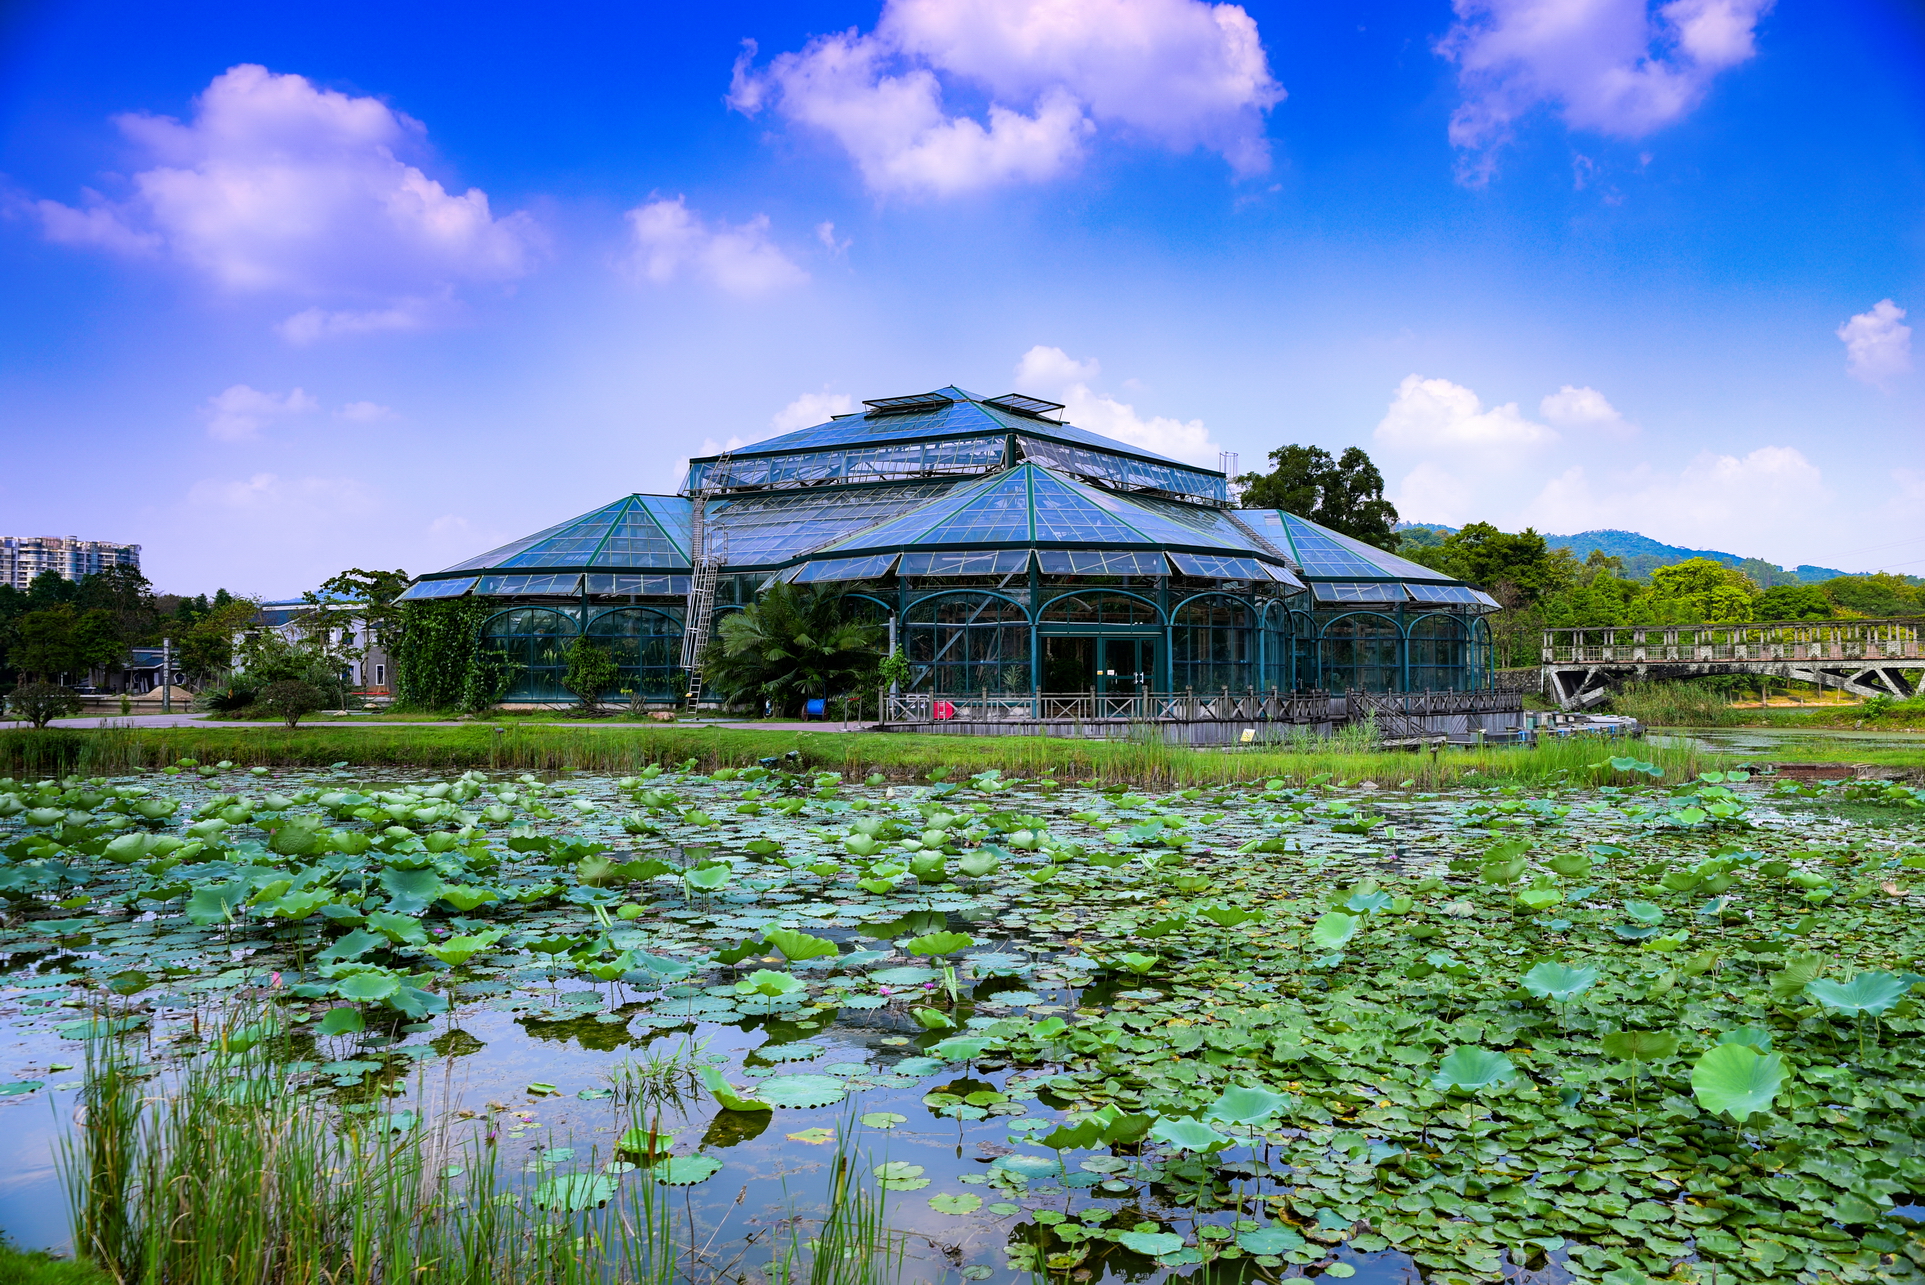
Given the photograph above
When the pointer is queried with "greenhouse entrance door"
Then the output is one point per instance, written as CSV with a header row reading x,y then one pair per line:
x,y
1110,664
1128,665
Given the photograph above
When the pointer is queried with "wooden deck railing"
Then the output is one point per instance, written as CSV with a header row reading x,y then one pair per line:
x,y
1223,705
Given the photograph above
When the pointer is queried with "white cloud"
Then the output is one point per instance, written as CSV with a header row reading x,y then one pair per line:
x,y
239,412
1052,373
811,409
1582,408
366,412
1616,67
1180,73
286,499
1878,344
311,324
671,238
1744,503
1435,413
825,232
277,185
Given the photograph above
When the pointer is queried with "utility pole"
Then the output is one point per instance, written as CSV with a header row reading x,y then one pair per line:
x,y
167,675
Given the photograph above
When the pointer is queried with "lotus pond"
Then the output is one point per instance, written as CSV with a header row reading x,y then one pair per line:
x,y
1626,1027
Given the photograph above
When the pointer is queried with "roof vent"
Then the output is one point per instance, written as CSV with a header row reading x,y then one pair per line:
x,y
1033,407
907,405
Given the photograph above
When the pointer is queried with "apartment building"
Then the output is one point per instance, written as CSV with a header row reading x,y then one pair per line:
x,y
22,557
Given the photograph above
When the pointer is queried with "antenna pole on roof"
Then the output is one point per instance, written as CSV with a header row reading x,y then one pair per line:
x,y
704,564
1226,463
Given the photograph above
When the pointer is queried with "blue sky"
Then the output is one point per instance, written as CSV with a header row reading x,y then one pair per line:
x,y
290,291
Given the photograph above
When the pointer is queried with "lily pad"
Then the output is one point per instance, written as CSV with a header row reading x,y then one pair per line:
x,y
686,1171
802,1090
575,1192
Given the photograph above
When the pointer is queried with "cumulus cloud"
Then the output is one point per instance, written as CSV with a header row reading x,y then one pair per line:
x,y
1053,373
239,412
1616,67
275,185
1878,344
1714,501
1428,413
671,239
1581,408
811,409
366,412
1179,73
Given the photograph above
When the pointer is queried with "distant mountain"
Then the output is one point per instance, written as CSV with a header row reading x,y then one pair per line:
x,y
1642,555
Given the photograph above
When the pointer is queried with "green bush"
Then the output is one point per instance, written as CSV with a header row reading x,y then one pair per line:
x,y
591,672
291,698
40,703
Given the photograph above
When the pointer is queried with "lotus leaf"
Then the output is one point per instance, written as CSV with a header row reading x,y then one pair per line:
x,y
802,1090
1246,1106
1738,1080
1334,929
966,1203
708,878
686,1171
1470,1069
1640,1046
1559,982
341,1021
1155,1244
942,943
1189,1135
899,1175
1269,1240
767,981
368,986
799,945
574,1192
1869,993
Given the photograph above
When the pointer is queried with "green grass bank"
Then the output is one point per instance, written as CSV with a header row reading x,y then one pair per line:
x,y
113,751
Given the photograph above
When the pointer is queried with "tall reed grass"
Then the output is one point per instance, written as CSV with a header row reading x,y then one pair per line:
x,y
1676,705
214,1170
1145,760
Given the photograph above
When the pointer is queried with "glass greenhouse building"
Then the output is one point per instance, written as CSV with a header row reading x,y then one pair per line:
x,y
1015,552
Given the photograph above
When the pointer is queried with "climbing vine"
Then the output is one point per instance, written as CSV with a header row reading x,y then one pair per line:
x,y
440,661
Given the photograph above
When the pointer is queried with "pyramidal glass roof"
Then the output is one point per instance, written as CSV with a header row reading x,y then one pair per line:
x,y
636,531
1031,505
949,411
1328,555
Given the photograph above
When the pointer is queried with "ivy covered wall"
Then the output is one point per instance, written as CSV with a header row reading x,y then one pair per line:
x,y
439,661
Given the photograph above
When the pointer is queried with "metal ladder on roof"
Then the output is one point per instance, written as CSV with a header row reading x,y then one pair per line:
x,y
705,564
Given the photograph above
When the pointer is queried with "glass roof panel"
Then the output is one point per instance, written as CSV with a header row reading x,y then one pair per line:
x,y
1342,591
1101,562
557,585
1442,592
1392,565
1000,512
1171,522
1071,513
1318,554
864,568
962,562
653,586
762,528
437,589
1218,567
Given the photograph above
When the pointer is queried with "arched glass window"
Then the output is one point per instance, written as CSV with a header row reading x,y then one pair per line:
x,y
1278,647
1362,651
1212,645
533,640
1479,661
968,642
1439,660
647,645
1102,609
1307,677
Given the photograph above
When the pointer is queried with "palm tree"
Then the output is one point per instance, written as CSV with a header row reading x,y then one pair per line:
x,y
790,645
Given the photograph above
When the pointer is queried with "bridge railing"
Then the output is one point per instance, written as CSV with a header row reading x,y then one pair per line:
x,y
1784,640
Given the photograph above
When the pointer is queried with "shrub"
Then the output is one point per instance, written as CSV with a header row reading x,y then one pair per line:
x,y
1674,705
591,672
290,698
40,703
229,697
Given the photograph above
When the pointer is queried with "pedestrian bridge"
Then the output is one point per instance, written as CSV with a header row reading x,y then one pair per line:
x,y
1863,657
